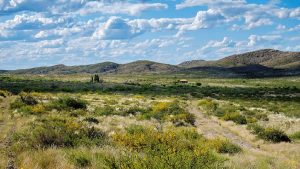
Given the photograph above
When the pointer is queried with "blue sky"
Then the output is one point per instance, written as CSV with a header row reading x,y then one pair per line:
x,y
75,32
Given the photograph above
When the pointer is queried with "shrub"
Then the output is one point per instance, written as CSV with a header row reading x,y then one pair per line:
x,y
261,116
105,111
170,111
199,84
134,110
275,135
80,157
75,113
91,120
38,109
183,119
4,93
68,103
269,134
24,100
60,133
209,105
17,104
224,146
82,161
26,109
28,99
235,117
172,148
229,148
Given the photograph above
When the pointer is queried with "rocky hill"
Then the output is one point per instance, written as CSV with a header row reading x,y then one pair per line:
x,y
267,57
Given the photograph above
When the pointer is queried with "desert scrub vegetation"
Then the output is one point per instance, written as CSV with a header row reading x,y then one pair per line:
x,y
289,108
163,111
171,148
170,111
226,111
57,132
230,111
4,93
271,134
27,104
67,103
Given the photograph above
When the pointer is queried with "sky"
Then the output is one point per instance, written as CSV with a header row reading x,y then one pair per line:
x,y
78,32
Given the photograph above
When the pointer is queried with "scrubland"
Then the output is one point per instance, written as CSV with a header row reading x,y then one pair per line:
x,y
149,122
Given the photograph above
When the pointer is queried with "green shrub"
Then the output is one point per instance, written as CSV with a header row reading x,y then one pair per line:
x,y
28,99
172,148
105,111
183,119
269,134
91,120
209,105
199,84
24,100
80,158
224,146
82,162
27,107
68,103
229,148
275,135
17,104
235,117
60,133
170,111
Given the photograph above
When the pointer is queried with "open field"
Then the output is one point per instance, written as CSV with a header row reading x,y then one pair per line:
x,y
149,121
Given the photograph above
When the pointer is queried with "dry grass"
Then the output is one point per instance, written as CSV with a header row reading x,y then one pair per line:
x,y
252,160
44,159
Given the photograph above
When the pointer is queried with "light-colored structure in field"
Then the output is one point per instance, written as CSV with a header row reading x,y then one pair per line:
x,y
183,81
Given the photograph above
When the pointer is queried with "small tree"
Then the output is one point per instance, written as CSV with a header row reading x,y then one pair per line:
x,y
92,79
97,79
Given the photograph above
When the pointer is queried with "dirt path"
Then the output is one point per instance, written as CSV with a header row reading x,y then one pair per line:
x,y
213,128
7,128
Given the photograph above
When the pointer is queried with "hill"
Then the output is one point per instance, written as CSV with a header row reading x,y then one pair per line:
x,y
259,63
144,66
3,71
62,69
105,67
267,57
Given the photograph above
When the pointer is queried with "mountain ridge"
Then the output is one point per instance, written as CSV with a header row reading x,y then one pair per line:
x,y
268,60
266,57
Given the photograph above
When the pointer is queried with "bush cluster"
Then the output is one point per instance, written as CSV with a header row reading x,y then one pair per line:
x,y
170,111
4,93
162,111
231,112
173,148
68,103
224,146
269,133
58,132
235,117
27,104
